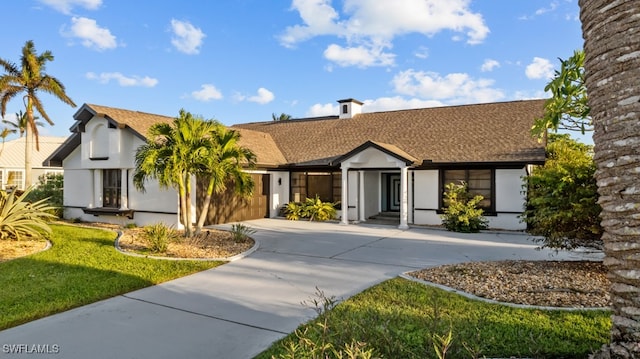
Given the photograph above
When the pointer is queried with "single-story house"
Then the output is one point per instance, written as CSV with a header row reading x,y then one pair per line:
x,y
12,161
393,161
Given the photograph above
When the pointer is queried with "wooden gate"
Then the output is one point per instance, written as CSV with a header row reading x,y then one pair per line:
x,y
228,207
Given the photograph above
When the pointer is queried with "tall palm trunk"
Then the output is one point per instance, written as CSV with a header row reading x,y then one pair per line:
x,y
611,29
28,147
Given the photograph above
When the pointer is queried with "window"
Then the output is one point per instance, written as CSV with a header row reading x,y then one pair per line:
x,y
479,182
14,180
345,109
111,188
327,185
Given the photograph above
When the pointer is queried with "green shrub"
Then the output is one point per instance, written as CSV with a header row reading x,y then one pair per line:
x,y
158,237
21,219
293,211
49,187
315,209
312,208
241,232
562,197
461,213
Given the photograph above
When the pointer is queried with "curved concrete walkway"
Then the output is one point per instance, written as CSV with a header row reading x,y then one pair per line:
x,y
237,310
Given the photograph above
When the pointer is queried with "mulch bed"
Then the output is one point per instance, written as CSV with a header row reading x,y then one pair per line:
x,y
574,284
210,243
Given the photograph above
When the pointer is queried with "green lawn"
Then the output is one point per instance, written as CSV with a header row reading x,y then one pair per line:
x,y
400,319
81,267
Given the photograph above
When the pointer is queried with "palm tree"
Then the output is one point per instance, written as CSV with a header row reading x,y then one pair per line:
x,y
30,79
612,67
224,164
283,117
21,123
172,155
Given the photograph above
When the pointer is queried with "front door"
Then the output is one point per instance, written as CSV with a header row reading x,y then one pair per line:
x,y
393,192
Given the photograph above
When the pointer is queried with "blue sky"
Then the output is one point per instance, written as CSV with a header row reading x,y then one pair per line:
x,y
243,60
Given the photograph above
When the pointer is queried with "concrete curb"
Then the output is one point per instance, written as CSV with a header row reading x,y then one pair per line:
x,y
255,247
406,276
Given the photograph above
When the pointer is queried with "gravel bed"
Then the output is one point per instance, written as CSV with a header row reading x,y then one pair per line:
x,y
569,284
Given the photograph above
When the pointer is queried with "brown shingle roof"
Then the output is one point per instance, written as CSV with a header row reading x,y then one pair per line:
x,y
492,132
139,122
260,143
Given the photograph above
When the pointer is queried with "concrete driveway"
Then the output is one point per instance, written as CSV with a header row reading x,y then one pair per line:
x,y
237,310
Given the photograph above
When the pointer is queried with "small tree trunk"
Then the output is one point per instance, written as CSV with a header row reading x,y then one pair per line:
x,y
205,207
183,203
188,224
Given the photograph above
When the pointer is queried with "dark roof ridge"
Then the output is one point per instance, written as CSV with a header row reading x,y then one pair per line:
x,y
454,106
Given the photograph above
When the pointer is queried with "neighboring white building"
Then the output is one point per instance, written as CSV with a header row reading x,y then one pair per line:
x,y
394,161
12,161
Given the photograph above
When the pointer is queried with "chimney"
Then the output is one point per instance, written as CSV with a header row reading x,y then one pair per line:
x,y
349,108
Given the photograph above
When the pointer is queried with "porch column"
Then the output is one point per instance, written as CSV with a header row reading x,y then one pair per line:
x,y
361,215
344,200
124,188
97,189
404,198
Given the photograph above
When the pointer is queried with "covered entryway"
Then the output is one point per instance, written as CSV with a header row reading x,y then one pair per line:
x,y
228,207
391,189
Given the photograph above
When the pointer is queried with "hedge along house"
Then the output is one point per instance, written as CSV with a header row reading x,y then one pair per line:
x,y
393,162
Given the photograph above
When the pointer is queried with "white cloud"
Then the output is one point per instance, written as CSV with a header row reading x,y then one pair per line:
x,y
125,81
397,103
489,65
321,110
207,93
375,105
373,24
65,6
186,37
263,96
552,7
539,69
422,52
91,35
359,56
454,88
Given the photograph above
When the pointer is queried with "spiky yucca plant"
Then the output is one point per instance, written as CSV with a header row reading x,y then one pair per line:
x,y
20,219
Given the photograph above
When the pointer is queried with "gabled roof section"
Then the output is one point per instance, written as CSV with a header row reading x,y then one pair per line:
x,y
136,121
480,133
262,145
56,157
12,155
391,150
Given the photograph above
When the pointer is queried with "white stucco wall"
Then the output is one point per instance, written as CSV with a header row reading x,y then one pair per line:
x,y
82,179
372,192
509,190
510,199
353,196
279,191
425,197
118,145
